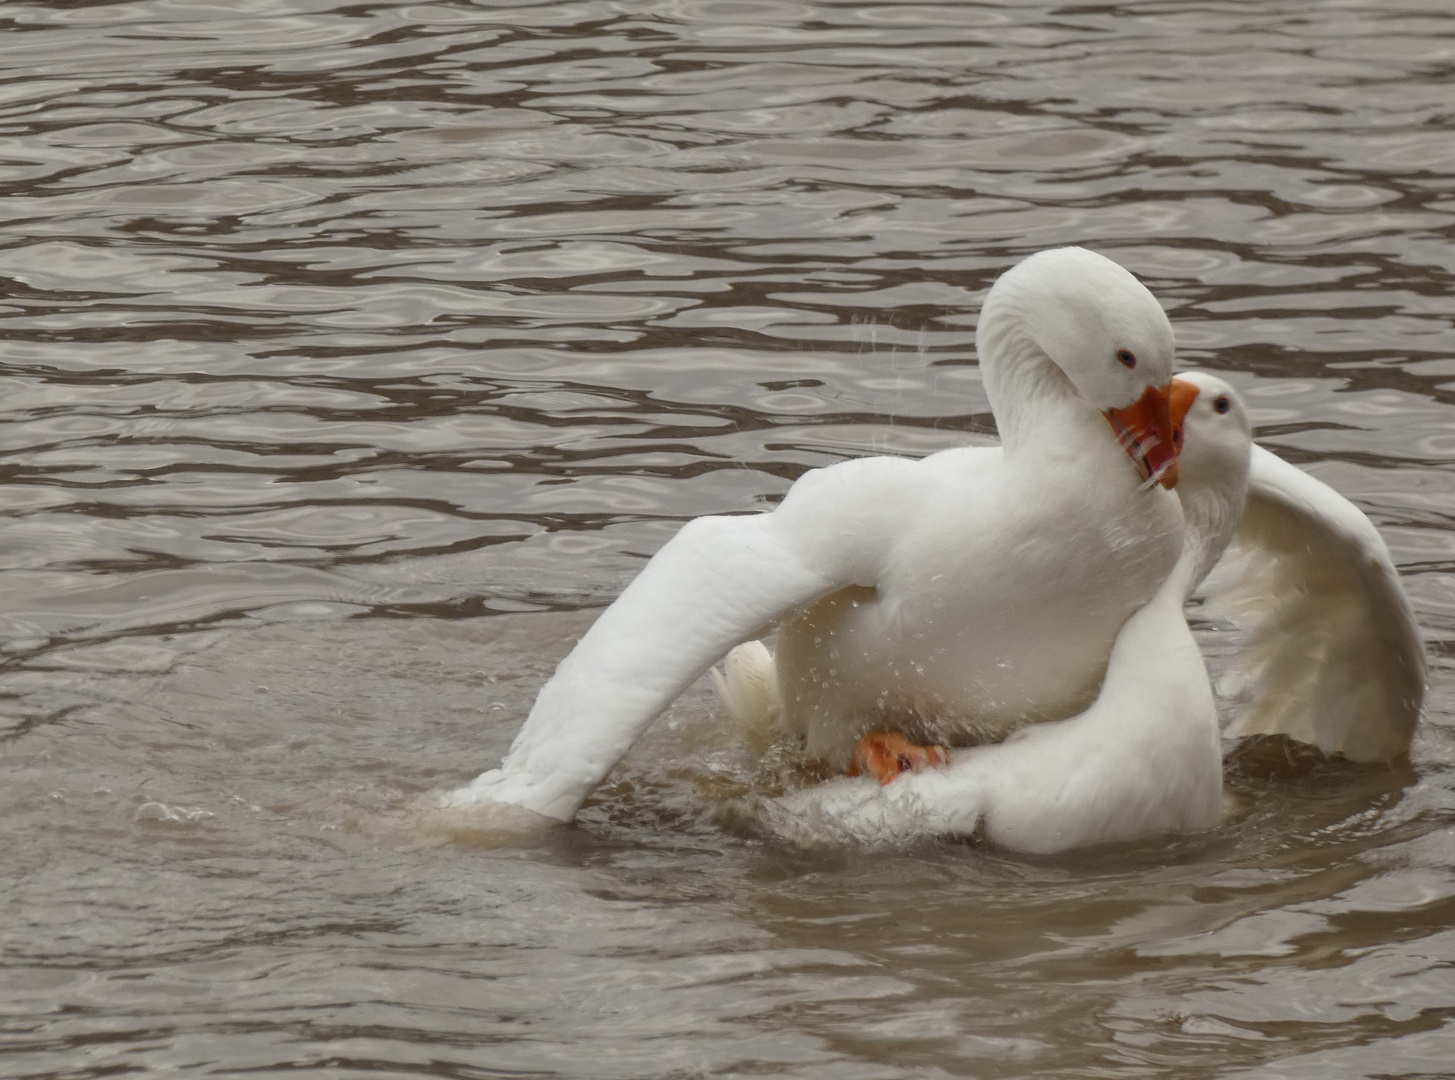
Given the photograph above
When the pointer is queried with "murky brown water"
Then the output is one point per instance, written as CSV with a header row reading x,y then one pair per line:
x,y
353,352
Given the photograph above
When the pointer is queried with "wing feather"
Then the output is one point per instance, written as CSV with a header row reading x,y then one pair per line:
x,y
1330,654
718,582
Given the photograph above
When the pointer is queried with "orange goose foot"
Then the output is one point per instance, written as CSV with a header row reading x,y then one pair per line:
x,y
884,755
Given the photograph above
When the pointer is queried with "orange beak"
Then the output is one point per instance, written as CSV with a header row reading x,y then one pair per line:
x,y
1146,433
1179,400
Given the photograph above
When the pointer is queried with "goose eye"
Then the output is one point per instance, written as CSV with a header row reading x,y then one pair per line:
x,y
1222,405
1127,357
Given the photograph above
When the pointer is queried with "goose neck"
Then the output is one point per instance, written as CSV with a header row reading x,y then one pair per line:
x,y
1027,390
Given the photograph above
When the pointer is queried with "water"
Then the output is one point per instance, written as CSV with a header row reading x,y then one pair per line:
x,y
354,354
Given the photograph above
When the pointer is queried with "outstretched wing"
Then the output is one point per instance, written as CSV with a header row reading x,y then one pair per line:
x,y
1330,653
718,582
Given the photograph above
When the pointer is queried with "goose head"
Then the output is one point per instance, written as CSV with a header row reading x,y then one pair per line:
x,y
1070,322
1214,434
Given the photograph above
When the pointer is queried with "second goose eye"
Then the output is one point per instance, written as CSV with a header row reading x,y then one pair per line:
x,y
1127,358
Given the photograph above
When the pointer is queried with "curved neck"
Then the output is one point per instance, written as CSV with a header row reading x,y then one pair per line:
x,y
1187,573
1149,627
1212,518
1027,390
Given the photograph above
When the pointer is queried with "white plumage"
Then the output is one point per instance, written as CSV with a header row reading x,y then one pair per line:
x,y
1331,655
1144,759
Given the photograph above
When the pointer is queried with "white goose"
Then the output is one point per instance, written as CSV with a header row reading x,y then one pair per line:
x,y
1145,758
976,586
1332,658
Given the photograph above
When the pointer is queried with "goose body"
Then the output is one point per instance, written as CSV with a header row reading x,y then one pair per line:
x,y
970,587
998,606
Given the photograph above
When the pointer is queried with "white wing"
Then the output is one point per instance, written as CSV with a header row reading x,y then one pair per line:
x,y
718,582
1330,655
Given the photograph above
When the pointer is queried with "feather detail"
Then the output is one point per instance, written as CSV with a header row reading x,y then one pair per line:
x,y
1330,654
747,690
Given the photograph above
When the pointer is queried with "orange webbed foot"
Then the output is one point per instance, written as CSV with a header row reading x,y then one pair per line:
x,y
885,755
